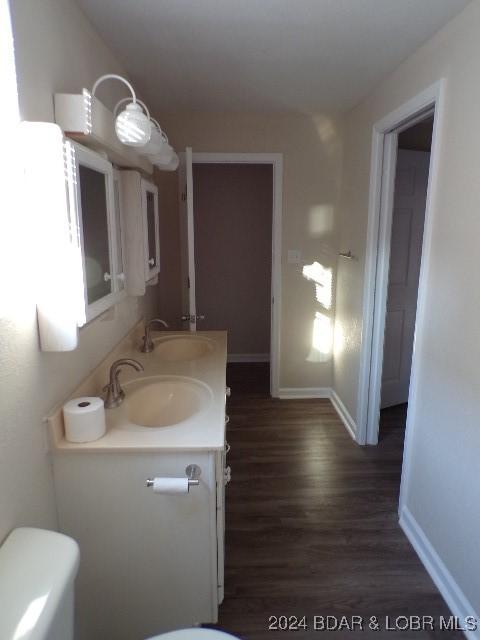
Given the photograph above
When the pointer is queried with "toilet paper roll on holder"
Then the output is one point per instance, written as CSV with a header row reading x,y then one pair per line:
x,y
193,473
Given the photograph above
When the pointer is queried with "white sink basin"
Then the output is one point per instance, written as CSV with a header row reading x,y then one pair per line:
x,y
164,401
181,348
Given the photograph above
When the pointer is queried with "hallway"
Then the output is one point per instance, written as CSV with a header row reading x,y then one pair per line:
x,y
312,525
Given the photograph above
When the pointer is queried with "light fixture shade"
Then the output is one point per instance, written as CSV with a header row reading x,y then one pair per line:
x,y
172,165
163,158
156,143
133,126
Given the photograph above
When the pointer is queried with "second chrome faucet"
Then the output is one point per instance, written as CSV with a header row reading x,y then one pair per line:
x,y
147,344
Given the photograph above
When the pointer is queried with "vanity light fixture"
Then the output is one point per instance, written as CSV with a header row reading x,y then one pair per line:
x,y
132,125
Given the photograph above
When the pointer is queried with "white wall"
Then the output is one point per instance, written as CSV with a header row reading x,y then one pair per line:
x,y
56,50
442,484
311,148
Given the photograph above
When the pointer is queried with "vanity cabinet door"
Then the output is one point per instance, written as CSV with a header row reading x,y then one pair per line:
x,y
147,558
151,229
98,223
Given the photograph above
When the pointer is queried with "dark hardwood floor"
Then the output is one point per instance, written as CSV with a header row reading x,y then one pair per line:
x,y
393,418
312,526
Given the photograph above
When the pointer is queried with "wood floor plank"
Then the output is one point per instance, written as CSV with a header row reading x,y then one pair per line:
x,y
311,520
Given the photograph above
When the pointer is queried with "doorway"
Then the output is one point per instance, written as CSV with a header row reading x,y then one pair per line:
x,y
232,206
231,242
406,241
386,132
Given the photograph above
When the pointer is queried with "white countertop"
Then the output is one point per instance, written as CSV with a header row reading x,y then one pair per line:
x,y
204,431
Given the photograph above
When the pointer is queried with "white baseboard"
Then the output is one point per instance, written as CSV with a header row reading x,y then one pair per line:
x,y
454,597
289,393
344,414
248,357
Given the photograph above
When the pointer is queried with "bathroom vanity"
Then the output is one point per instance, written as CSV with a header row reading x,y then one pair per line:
x,y
149,562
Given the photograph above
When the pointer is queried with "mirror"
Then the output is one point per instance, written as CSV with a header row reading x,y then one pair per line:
x,y
93,192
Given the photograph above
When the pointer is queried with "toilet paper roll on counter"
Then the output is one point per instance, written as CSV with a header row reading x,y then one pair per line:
x,y
84,419
170,486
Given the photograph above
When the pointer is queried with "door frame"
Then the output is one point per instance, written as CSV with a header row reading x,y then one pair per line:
x,y
276,161
380,213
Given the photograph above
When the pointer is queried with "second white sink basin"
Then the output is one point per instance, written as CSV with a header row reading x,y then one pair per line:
x,y
181,348
164,401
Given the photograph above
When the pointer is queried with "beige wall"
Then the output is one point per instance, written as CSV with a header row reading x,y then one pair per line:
x,y
56,50
311,148
442,485
233,252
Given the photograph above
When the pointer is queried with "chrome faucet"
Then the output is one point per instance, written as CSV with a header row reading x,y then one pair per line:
x,y
147,345
115,393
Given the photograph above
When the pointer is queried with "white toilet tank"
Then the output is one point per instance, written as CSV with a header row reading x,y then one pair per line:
x,y
37,573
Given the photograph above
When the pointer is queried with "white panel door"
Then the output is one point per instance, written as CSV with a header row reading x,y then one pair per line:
x,y
405,255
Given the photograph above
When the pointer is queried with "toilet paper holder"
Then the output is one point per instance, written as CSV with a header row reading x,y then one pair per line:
x,y
193,473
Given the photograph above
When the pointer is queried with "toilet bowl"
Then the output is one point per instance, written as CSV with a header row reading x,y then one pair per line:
x,y
193,634
37,575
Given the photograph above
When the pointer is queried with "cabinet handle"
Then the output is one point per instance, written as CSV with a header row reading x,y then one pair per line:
x,y
228,392
151,262
227,420
107,276
227,447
